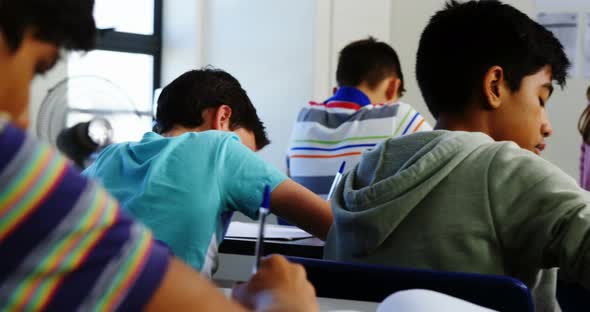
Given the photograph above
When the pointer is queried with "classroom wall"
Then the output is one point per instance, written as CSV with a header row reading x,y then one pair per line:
x,y
267,45
284,60
402,28
310,37
182,37
565,106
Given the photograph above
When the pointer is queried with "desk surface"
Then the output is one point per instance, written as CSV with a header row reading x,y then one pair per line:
x,y
306,248
241,240
329,304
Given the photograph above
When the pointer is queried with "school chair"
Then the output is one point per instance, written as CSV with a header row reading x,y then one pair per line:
x,y
374,283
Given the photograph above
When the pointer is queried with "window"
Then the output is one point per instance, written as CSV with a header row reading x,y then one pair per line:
x,y
128,54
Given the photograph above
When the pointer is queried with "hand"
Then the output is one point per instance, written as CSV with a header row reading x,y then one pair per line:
x,y
277,286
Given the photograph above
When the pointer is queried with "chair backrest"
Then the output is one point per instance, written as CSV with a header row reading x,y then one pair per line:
x,y
374,283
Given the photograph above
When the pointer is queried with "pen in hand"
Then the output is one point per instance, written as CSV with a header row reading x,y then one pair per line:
x,y
336,180
263,212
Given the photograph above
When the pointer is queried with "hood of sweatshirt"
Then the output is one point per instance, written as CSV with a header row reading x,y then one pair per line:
x,y
391,180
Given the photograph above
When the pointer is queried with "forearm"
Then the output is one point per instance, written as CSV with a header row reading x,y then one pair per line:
x,y
184,289
302,207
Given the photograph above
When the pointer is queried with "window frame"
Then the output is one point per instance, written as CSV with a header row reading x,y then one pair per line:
x,y
111,40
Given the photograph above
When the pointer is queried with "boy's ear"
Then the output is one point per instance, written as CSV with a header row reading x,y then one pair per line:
x,y
493,82
334,90
221,118
392,89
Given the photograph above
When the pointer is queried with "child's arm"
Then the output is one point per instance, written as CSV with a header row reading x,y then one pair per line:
x,y
540,213
278,285
302,207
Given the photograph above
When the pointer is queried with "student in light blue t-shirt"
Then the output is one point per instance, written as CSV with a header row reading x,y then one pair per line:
x,y
186,179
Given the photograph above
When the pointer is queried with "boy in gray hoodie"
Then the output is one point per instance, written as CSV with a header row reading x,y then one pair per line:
x,y
473,195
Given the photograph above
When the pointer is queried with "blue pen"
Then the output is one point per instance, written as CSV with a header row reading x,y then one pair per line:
x,y
263,212
336,180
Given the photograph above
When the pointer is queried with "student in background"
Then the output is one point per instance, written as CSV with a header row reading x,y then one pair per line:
x,y
473,195
185,180
584,128
364,110
64,243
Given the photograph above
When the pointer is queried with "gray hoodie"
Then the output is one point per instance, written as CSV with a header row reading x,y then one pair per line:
x,y
458,201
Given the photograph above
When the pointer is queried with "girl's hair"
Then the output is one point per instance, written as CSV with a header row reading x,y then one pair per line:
x,y
584,122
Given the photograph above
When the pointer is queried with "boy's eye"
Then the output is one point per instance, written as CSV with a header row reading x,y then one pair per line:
x,y
541,102
41,68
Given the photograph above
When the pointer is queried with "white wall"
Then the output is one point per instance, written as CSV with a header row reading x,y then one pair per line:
x,y
407,23
351,20
182,37
337,24
254,40
267,46
285,59
565,106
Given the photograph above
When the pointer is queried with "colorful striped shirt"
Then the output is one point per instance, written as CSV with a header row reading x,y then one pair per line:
x,y
64,242
341,129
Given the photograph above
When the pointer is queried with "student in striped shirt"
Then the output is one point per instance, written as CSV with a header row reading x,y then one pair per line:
x,y
64,243
364,111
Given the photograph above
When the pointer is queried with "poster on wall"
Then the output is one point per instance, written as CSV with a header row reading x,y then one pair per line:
x,y
565,27
586,48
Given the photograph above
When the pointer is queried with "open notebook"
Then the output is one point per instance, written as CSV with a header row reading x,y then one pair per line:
x,y
271,231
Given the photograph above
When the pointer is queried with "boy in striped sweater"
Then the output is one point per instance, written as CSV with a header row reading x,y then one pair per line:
x,y
364,111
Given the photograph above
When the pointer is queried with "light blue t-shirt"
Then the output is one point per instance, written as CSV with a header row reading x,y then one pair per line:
x,y
185,188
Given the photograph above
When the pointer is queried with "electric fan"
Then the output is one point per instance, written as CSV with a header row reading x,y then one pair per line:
x,y
82,114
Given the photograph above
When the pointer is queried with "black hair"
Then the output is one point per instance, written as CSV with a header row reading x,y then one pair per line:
x,y
464,40
183,101
369,61
66,23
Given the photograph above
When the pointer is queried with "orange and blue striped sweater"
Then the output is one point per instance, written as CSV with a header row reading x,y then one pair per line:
x,y
64,242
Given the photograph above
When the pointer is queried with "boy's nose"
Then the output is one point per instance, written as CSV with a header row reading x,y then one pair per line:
x,y
547,130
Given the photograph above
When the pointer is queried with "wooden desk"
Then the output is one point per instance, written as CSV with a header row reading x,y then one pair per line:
x,y
306,248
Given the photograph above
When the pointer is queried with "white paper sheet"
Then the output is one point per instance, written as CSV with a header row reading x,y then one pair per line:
x,y
271,231
421,300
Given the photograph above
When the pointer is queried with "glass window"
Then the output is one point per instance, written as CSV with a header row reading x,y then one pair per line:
x,y
133,72
117,80
132,16
114,85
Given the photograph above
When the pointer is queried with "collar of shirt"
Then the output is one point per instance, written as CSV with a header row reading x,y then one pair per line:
x,y
349,94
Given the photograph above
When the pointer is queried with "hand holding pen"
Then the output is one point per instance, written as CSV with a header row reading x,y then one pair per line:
x,y
263,212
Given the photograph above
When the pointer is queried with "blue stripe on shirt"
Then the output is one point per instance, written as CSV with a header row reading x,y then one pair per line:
x,y
411,121
331,149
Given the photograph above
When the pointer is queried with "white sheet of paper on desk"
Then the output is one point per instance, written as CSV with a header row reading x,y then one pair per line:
x,y
422,300
271,231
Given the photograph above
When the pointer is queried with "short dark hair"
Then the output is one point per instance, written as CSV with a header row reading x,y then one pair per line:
x,y
463,41
369,61
183,101
65,23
